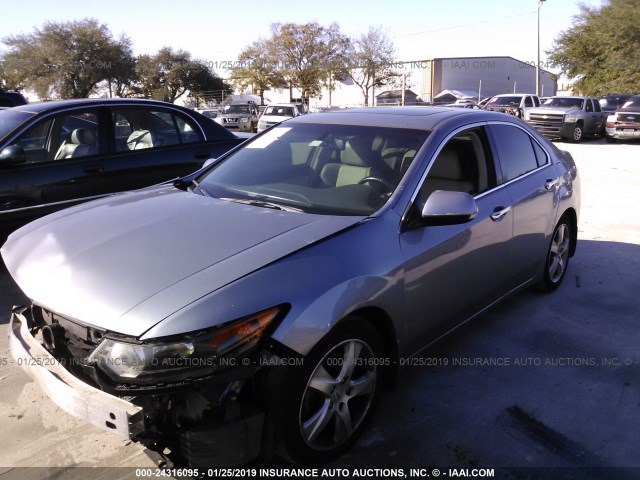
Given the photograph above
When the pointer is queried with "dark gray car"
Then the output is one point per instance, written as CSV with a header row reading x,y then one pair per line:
x,y
263,303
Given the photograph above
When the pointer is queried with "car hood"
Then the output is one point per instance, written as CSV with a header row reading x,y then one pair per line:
x,y
555,110
274,118
126,262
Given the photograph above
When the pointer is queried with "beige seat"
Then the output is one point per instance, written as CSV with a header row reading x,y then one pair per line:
x,y
141,139
357,161
451,171
82,142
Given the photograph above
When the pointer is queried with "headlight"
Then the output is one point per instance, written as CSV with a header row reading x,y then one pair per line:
x,y
527,116
244,119
571,118
194,356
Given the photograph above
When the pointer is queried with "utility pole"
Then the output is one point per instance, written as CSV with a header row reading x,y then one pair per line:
x,y
540,2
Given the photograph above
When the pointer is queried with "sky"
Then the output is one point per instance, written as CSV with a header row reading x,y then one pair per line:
x,y
216,31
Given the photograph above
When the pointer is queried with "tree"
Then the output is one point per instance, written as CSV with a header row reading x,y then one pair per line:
x,y
308,54
258,67
601,50
168,75
371,60
65,60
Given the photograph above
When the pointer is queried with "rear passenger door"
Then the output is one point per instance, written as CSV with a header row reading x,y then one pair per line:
x,y
528,176
153,144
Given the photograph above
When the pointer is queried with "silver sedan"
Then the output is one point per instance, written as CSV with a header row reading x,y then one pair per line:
x,y
262,304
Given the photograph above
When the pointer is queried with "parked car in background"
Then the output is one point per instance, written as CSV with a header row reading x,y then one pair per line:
x,y
569,118
211,113
512,103
271,296
56,154
278,112
242,117
624,124
613,101
462,103
11,99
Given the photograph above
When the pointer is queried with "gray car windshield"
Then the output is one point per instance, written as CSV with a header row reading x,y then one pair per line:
x,y
565,102
237,109
11,119
317,168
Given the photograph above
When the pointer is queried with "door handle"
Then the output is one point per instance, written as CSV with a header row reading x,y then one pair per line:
x,y
499,212
93,169
202,154
550,183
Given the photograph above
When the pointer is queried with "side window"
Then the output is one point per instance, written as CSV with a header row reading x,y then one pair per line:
x,y
141,128
515,151
68,135
588,106
536,101
528,102
596,106
464,164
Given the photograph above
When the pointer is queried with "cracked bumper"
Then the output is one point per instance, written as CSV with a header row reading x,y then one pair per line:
x,y
71,394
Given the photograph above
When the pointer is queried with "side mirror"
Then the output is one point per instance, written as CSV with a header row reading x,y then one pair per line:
x,y
12,155
449,208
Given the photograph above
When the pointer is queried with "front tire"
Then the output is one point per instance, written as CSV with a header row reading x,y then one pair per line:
x,y
577,134
557,260
326,404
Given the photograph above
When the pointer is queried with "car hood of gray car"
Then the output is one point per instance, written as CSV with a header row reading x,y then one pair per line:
x,y
126,262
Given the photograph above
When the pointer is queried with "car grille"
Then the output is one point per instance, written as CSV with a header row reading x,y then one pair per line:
x,y
628,117
547,118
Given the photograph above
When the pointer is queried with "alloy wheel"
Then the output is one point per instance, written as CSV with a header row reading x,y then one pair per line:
x,y
338,395
559,253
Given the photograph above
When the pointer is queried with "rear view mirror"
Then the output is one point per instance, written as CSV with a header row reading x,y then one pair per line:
x,y
449,208
12,155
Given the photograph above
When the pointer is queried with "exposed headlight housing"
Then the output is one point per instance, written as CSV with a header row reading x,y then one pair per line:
x,y
195,355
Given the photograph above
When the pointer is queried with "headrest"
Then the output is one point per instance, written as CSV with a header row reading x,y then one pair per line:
x,y
85,136
357,152
448,165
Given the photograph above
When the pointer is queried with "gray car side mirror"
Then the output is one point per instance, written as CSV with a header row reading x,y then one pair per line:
x,y
449,208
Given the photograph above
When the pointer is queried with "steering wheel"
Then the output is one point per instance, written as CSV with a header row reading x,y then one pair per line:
x,y
382,182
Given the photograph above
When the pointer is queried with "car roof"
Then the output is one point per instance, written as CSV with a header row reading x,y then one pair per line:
x,y
61,104
420,118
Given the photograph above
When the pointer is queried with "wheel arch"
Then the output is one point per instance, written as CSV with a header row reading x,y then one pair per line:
x,y
571,214
382,322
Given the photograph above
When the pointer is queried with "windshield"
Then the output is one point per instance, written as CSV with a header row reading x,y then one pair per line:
x,y
11,119
326,169
237,109
565,102
280,111
504,102
634,102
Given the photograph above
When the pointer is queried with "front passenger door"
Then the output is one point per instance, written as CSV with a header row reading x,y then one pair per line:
x,y
453,271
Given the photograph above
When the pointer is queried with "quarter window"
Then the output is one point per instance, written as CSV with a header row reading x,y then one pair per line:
x,y
515,151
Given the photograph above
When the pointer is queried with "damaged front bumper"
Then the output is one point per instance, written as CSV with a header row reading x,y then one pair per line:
x,y
71,394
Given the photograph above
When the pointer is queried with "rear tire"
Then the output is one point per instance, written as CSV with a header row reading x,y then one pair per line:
x,y
558,253
324,405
